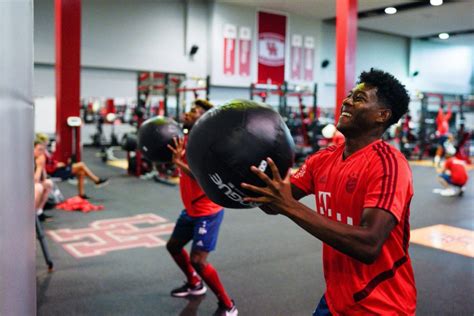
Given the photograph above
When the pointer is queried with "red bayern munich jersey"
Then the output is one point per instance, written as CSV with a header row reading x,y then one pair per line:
x,y
194,199
457,167
376,176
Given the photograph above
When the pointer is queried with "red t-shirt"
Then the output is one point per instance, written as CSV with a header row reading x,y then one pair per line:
x,y
194,199
442,122
51,164
376,176
457,167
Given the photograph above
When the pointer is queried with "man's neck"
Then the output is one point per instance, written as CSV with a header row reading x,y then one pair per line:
x,y
354,144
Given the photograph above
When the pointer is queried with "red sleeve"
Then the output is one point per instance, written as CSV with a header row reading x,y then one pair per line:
x,y
389,182
448,114
303,178
439,117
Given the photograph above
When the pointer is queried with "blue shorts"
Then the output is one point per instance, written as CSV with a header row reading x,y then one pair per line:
x,y
202,230
447,178
64,173
322,309
442,140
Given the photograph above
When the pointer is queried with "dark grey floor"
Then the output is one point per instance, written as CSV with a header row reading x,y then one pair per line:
x,y
268,264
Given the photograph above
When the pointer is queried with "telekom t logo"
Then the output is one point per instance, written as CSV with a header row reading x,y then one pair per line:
x,y
324,206
103,236
323,202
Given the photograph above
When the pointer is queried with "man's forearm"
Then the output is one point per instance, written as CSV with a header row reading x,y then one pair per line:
x,y
354,241
184,168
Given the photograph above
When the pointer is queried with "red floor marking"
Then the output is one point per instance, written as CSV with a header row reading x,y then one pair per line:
x,y
107,235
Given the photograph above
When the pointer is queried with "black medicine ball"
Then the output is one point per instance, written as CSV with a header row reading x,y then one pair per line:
x,y
154,135
227,140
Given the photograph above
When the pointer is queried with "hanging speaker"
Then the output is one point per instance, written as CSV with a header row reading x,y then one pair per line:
x,y
193,50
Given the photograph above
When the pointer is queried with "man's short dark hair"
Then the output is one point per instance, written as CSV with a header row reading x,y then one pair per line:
x,y
204,104
390,92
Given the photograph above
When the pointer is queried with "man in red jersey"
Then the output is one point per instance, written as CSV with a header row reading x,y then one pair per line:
x,y
199,222
363,190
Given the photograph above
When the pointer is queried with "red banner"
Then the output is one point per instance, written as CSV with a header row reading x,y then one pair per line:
x,y
245,40
296,56
230,32
308,58
271,47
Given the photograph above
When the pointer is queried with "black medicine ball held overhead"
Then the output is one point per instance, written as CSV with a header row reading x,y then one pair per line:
x,y
227,140
154,136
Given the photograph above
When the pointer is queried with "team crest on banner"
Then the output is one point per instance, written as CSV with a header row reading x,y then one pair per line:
x,y
271,47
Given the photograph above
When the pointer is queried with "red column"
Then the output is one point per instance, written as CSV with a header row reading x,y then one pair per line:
x,y
346,37
68,59
110,106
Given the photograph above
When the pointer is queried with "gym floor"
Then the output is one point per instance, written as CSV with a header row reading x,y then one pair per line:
x,y
268,265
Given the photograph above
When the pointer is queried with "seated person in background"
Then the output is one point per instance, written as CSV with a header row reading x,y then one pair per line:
x,y
453,175
43,186
57,169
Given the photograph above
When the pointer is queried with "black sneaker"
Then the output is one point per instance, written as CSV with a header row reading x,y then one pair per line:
x,y
187,289
84,196
102,182
223,310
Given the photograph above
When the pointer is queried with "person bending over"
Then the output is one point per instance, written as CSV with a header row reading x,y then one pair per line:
x,y
199,222
57,169
363,190
453,174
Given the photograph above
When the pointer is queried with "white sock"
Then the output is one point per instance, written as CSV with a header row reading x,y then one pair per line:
x,y
39,211
437,159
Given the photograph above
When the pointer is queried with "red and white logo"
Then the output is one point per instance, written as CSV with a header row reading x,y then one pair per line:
x,y
245,38
323,204
230,34
296,56
271,49
103,236
308,58
300,172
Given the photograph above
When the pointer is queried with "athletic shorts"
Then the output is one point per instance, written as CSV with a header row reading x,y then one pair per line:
x,y
442,140
64,173
202,230
322,309
447,178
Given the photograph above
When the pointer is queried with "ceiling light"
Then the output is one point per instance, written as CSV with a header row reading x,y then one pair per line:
x,y
436,2
390,10
443,36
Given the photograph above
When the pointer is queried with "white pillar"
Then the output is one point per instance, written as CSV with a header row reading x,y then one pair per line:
x,y
17,217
